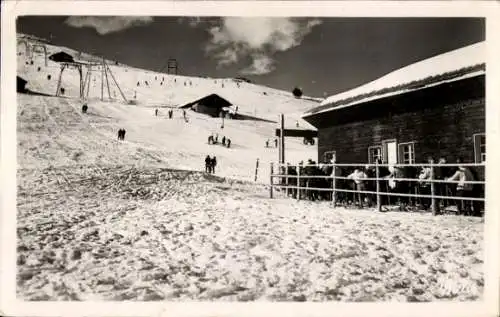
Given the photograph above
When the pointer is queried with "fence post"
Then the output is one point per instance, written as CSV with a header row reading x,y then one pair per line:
x,y
256,169
271,181
377,175
286,179
298,182
334,180
433,191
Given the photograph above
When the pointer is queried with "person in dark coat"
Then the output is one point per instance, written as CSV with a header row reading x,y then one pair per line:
x,y
275,142
208,161
156,112
223,140
213,164
84,108
228,143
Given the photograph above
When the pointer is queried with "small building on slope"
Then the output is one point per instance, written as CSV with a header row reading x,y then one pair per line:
x,y
217,106
62,57
213,105
21,84
435,107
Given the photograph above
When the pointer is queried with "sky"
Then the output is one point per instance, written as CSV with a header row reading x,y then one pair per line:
x,y
322,56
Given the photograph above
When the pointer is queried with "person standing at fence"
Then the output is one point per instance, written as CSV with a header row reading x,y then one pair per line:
x,y
371,185
425,185
464,189
441,172
359,184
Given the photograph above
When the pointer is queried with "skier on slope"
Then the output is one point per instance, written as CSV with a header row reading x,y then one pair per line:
x,y
213,163
208,161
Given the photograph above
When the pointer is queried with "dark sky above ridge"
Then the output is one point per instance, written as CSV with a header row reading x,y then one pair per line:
x,y
323,56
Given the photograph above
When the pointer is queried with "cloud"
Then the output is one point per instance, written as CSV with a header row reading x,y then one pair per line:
x,y
105,25
233,39
260,65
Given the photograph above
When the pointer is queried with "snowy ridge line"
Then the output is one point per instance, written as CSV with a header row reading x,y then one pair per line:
x,y
87,57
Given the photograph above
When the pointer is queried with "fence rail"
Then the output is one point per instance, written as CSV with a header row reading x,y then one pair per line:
x,y
430,185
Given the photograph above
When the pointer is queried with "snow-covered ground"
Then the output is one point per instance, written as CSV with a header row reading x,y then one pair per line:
x,y
139,220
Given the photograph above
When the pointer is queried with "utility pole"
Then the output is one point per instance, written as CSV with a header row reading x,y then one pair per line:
x,y
282,140
102,80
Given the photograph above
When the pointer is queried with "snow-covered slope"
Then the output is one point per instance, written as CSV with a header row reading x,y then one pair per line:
x,y
99,219
68,137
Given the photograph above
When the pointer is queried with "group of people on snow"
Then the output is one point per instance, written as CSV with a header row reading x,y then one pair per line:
x,y
361,185
170,113
215,140
121,134
210,164
275,142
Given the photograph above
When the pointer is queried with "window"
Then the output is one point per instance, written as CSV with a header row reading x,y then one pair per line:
x,y
329,155
390,151
374,154
480,147
407,152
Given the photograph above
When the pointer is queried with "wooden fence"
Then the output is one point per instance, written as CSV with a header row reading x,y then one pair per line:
x,y
379,192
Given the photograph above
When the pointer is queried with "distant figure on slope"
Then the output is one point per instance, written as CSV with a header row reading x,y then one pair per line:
x,y
213,164
267,143
223,140
211,139
228,142
170,112
208,161
216,138
275,142
156,112
84,108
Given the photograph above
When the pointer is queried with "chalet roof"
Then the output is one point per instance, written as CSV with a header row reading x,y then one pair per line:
x,y
21,80
462,63
224,103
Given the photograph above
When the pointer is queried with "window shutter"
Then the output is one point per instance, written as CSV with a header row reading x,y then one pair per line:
x,y
477,148
401,156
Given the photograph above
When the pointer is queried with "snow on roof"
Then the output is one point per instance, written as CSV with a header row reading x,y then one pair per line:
x,y
188,99
454,65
